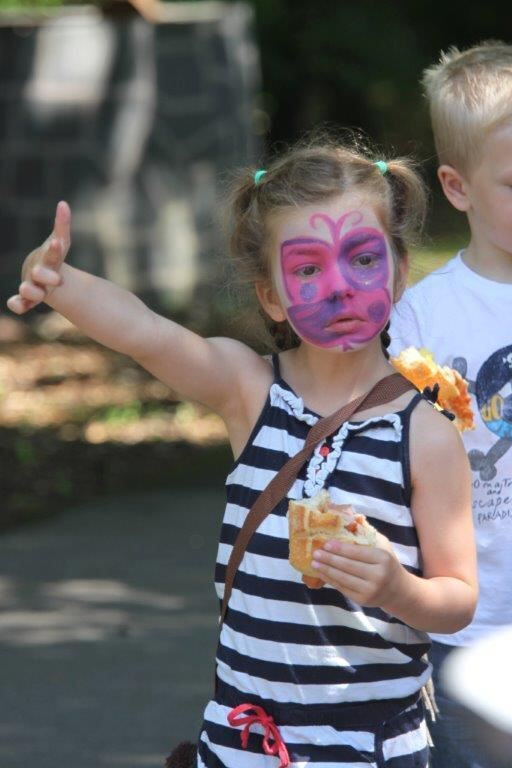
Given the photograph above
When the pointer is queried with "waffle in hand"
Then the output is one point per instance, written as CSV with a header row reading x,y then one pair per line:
x,y
313,522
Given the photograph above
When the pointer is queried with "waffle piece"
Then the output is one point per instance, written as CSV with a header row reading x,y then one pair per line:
x,y
419,366
313,522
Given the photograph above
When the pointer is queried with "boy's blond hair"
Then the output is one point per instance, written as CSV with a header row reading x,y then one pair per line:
x,y
470,94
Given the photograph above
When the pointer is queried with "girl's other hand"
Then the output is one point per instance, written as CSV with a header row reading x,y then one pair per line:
x,y
41,271
371,576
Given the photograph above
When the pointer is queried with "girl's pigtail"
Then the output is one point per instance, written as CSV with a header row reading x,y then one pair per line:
x,y
283,335
246,228
409,202
248,246
385,339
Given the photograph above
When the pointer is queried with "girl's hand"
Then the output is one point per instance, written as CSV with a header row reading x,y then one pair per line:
x,y
371,576
40,273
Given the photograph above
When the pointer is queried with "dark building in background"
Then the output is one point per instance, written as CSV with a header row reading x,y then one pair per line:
x,y
136,123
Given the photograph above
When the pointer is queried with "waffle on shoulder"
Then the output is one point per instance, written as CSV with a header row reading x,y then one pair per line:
x,y
419,366
313,522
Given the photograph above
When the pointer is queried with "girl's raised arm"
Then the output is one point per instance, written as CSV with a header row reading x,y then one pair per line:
x,y
205,370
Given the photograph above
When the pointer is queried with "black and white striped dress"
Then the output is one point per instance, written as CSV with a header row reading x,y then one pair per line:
x,y
342,682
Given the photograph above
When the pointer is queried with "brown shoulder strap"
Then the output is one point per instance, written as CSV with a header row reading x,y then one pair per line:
x,y
384,391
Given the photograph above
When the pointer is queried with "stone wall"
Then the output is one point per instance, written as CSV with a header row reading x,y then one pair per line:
x,y
137,125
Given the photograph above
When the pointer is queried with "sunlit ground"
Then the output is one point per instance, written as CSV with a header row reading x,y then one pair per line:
x,y
86,392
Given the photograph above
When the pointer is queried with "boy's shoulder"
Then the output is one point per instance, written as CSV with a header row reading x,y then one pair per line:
x,y
435,280
424,305
434,290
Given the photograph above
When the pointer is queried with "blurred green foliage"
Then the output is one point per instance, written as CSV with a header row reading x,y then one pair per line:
x,y
358,63
28,5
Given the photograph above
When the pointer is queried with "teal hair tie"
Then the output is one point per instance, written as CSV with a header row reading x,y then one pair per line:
x,y
259,175
382,166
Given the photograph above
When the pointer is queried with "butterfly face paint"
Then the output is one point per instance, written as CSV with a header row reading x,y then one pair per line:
x,y
337,291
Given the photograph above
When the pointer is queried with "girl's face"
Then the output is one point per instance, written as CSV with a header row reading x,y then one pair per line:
x,y
333,270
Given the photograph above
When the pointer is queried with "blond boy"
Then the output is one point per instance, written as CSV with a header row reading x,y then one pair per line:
x,y
463,314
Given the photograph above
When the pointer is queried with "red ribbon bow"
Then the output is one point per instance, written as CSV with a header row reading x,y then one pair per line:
x,y
273,743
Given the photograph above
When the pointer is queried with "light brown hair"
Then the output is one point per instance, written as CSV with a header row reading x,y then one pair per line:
x,y
469,94
310,173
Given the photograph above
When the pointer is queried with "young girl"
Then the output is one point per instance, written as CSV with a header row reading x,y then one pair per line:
x,y
333,675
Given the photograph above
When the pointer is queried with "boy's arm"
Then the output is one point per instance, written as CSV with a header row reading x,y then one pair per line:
x,y
199,369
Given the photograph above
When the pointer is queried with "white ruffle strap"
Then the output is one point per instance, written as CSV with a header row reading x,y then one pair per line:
x,y
320,467
294,402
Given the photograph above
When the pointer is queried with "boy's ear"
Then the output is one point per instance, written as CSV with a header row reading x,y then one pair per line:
x,y
454,187
269,300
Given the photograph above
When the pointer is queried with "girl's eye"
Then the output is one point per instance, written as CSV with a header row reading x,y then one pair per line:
x,y
308,271
364,260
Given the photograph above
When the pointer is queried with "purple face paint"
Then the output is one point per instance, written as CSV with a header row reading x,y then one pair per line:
x,y
338,290
377,312
308,291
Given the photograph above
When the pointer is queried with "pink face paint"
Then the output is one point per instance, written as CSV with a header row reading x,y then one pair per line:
x,y
339,291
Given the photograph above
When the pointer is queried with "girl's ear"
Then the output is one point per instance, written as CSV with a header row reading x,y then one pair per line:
x,y
401,275
454,187
269,300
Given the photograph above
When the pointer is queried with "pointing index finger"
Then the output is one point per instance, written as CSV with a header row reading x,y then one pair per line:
x,y
62,224
55,248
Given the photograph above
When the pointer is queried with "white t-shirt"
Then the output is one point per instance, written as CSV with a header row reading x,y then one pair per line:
x,y
465,320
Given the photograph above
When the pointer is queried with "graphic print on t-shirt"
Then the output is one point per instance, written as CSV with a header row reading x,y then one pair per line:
x,y
493,392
